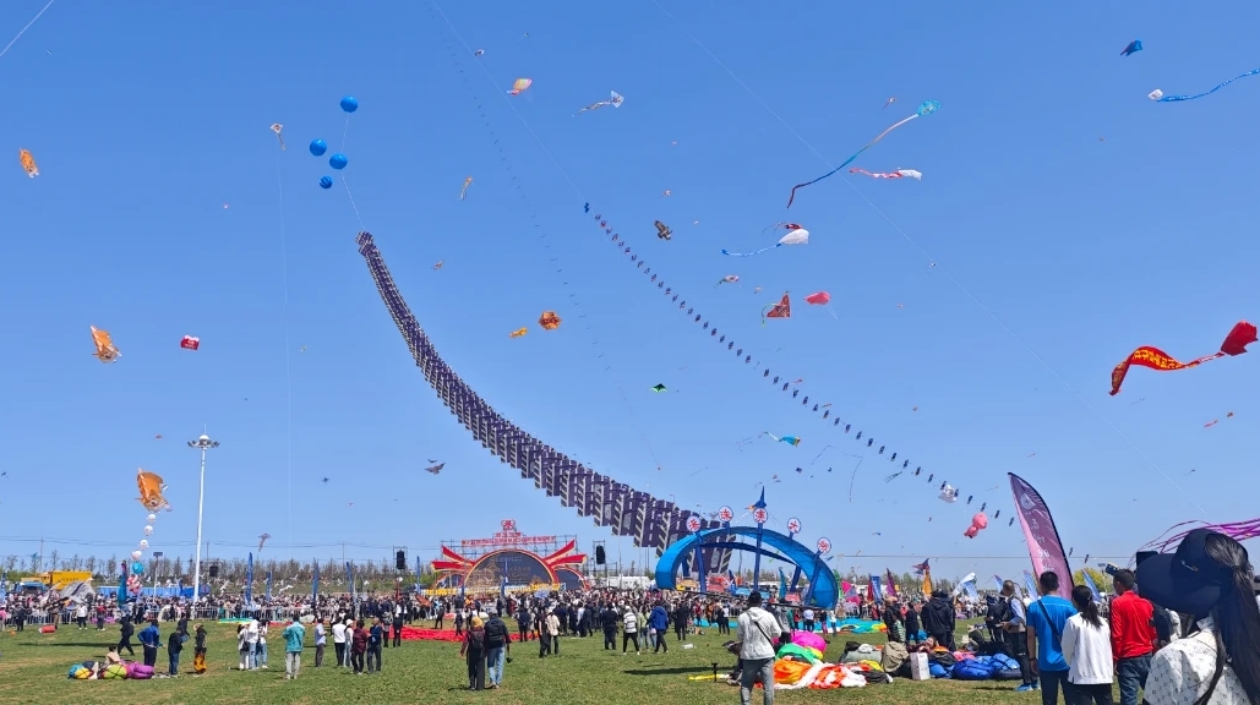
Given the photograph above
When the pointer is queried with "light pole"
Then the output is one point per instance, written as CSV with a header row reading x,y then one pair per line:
x,y
203,444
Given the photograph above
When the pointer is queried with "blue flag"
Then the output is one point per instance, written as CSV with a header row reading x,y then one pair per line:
x,y
783,588
1092,586
315,584
350,579
249,581
122,585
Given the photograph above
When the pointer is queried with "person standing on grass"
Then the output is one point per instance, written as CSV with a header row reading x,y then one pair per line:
x,y
321,640
608,622
473,651
376,641
339,642
758,631
1132,636
1014,632
1046,618
398,626
358,647
498,645
630,632
294,638
151,641
174,646
126,629
658,622
349,642
199,651
1087,649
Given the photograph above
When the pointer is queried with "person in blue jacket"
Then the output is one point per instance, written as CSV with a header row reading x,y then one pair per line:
x,y
151,640
658,622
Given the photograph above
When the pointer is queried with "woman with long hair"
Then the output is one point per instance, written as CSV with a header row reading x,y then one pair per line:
x,y
1210,577
1087,649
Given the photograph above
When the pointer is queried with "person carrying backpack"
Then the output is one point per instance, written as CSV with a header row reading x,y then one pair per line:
x,y
498,649
473,650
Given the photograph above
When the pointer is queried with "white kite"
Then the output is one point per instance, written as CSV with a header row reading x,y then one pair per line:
x,y
898,174
949,494
616,100
796,236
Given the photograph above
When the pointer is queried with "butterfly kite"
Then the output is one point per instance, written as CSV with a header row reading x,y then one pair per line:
x,y
1242,335
898,174
927,108
796,236
616,100
151,489
105,349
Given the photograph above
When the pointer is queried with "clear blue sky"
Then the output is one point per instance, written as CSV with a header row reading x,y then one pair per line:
x,y
146,118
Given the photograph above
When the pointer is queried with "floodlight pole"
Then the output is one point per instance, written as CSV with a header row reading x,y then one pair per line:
x,y
203,443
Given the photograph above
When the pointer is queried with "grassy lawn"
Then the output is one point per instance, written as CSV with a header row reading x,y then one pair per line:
x,y
33,669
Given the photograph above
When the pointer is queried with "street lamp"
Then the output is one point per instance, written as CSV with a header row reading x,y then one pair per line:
x,y
202,444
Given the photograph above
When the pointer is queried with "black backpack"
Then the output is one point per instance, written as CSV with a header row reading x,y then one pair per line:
x,y
496,634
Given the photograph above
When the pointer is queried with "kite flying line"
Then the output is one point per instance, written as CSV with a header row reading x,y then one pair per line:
x,y
288,367
30,24
922,251
542,232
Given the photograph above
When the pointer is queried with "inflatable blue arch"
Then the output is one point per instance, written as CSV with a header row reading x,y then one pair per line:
x,y
823,590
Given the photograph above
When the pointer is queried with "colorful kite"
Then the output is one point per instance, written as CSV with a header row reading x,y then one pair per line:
x,y
818,299
663,231
278,128
1242,335
783,309
796,236
728,279
549,320
659,388
1158,96
927,108
616,100
518,332
979,522
28,162
790,440
520,85
1134,47
1237,530
463,190
105,349
190,343
898,174
151,489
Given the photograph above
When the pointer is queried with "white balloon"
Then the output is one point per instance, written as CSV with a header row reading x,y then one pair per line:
x,y
135,555
152,517
148,530
144,543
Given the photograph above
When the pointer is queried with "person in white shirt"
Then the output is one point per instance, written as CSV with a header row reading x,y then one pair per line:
x,y
339,642
1087,649
758,633
630,631
809,620
321,641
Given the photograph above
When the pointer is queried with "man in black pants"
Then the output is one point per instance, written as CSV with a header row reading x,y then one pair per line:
x,y
1014,626
398,626
608,621
681,617
125,642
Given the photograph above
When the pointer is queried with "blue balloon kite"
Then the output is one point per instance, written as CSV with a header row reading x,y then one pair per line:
x,y
349,104
325,182
318,147
338,161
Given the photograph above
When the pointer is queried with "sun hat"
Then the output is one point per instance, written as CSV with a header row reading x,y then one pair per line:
x,y
1187,581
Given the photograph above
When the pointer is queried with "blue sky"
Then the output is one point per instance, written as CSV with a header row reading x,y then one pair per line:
x,y
1087,219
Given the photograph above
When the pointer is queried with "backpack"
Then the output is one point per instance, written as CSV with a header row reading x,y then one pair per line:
x,y
476,642
496,634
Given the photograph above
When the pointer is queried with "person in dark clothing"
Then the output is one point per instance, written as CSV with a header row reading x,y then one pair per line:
x,y
376,641
938,619
398,626
358,647
151,641
912,623
682,616
199,651
174,646
608,621
524,624
127,630
498,648
473,649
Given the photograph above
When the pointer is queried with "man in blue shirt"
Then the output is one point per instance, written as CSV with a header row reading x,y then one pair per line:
x,y
1046,618
150,639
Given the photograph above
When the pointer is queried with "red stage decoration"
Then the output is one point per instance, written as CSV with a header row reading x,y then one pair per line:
x,y
482,565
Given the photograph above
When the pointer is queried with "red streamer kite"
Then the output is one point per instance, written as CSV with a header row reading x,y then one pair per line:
x,y
1242,335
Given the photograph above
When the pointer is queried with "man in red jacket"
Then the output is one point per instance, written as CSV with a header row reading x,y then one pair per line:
x,y
1132,637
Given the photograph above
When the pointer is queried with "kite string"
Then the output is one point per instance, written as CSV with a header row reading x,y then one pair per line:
x,y
922,251
288,366
643,436
30,24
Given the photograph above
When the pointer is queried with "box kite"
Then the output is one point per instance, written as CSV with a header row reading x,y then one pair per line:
x,y
549,320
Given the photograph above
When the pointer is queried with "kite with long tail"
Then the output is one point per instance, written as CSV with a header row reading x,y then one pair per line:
x,y
1242,335
1158,96
898,174
927,108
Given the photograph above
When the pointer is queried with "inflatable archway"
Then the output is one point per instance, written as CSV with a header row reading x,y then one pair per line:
x,y
823,590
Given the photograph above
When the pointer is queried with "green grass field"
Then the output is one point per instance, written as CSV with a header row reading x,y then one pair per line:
x,y
33,669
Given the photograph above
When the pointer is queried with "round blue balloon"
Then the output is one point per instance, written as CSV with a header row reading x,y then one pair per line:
x,y
325,182
338,161
318,147
137,568
349,104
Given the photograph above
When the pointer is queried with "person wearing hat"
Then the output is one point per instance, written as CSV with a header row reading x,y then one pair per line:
x,y
474,651
1210,577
